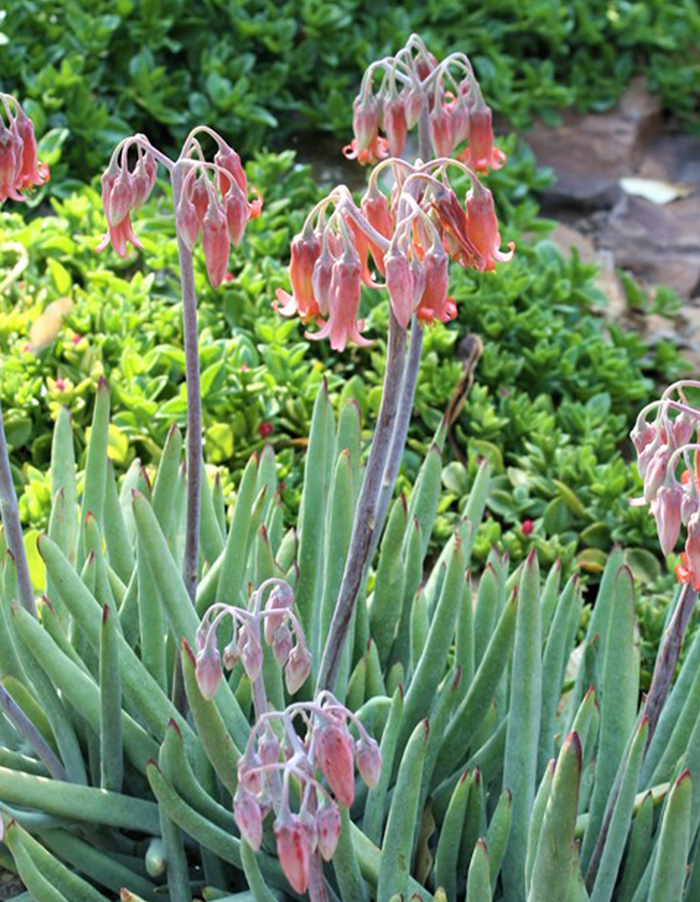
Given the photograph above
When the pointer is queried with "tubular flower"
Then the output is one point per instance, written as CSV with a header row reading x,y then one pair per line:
x,y
409,236
211,197
481,154
317,752
342,325
20,169
306,249
482,227
667,460
397,91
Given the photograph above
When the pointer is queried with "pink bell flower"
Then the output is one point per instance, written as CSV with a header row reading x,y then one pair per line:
x,y
482,227
481,155
294,851
400,285
395,124
32,173
666,509
441,130
328,830
434,303
342,325
208,671
298,668
216,244
306,250
334,758
246,811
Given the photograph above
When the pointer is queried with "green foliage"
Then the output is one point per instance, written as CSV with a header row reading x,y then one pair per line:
x,y
98,71
467,805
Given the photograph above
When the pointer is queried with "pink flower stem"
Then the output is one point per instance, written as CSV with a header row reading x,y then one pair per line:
x,y
190,571
13,527
403,421
367,508
317,883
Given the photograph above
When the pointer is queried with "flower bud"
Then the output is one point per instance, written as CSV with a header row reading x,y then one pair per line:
x,y
666,509
298,668
683,428
435,303
481,154
231,656
294,851
656,473
375,208
395,124
400,284
246,811
249,776
642,435
216,244
200,196
208,672
251,654
269,748
281,599
365,121
328,827
692,547
415,100
187,222
369,761
120,198
334,758
441,130
237,210
459,113
227,159
282,644
482,228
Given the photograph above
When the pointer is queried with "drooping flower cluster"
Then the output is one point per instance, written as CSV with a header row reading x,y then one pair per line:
x,y
20,169
211,197
408,237
414,85
668,461
276,623
308,747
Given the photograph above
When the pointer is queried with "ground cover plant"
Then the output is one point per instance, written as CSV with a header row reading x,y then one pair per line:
x,y
190,703
98,71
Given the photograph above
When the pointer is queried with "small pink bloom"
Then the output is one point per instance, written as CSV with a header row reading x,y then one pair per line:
x,y
208,671
425,64
666,509
200,196
526,527
334,758
31,171
237,211
683,428
216,244
328,827
400,284
118,236
305,252
435,304
642,435
655,475
282,644
377,150
455,229
483,228
365,122
369,761
251,654
187,221
227,158
120,198
265,429
246,811
459,115
481,155
298,668
294,851
375,208
395,124
441,130
342,325
281,599
414,106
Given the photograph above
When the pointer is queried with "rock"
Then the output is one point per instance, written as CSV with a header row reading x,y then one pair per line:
x,y
590,153
659,244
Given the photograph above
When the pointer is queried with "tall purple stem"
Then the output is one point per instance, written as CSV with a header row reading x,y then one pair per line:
x,y
366,512
190,566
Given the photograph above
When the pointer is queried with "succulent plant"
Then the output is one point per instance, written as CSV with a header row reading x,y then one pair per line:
x,y
494,749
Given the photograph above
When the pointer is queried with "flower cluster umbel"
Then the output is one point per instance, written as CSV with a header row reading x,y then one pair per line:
x,y
668,459
279,756
409,237
212,199
276,623
413,84
20,169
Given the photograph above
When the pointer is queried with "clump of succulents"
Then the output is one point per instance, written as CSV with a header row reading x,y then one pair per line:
x,y
189,703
